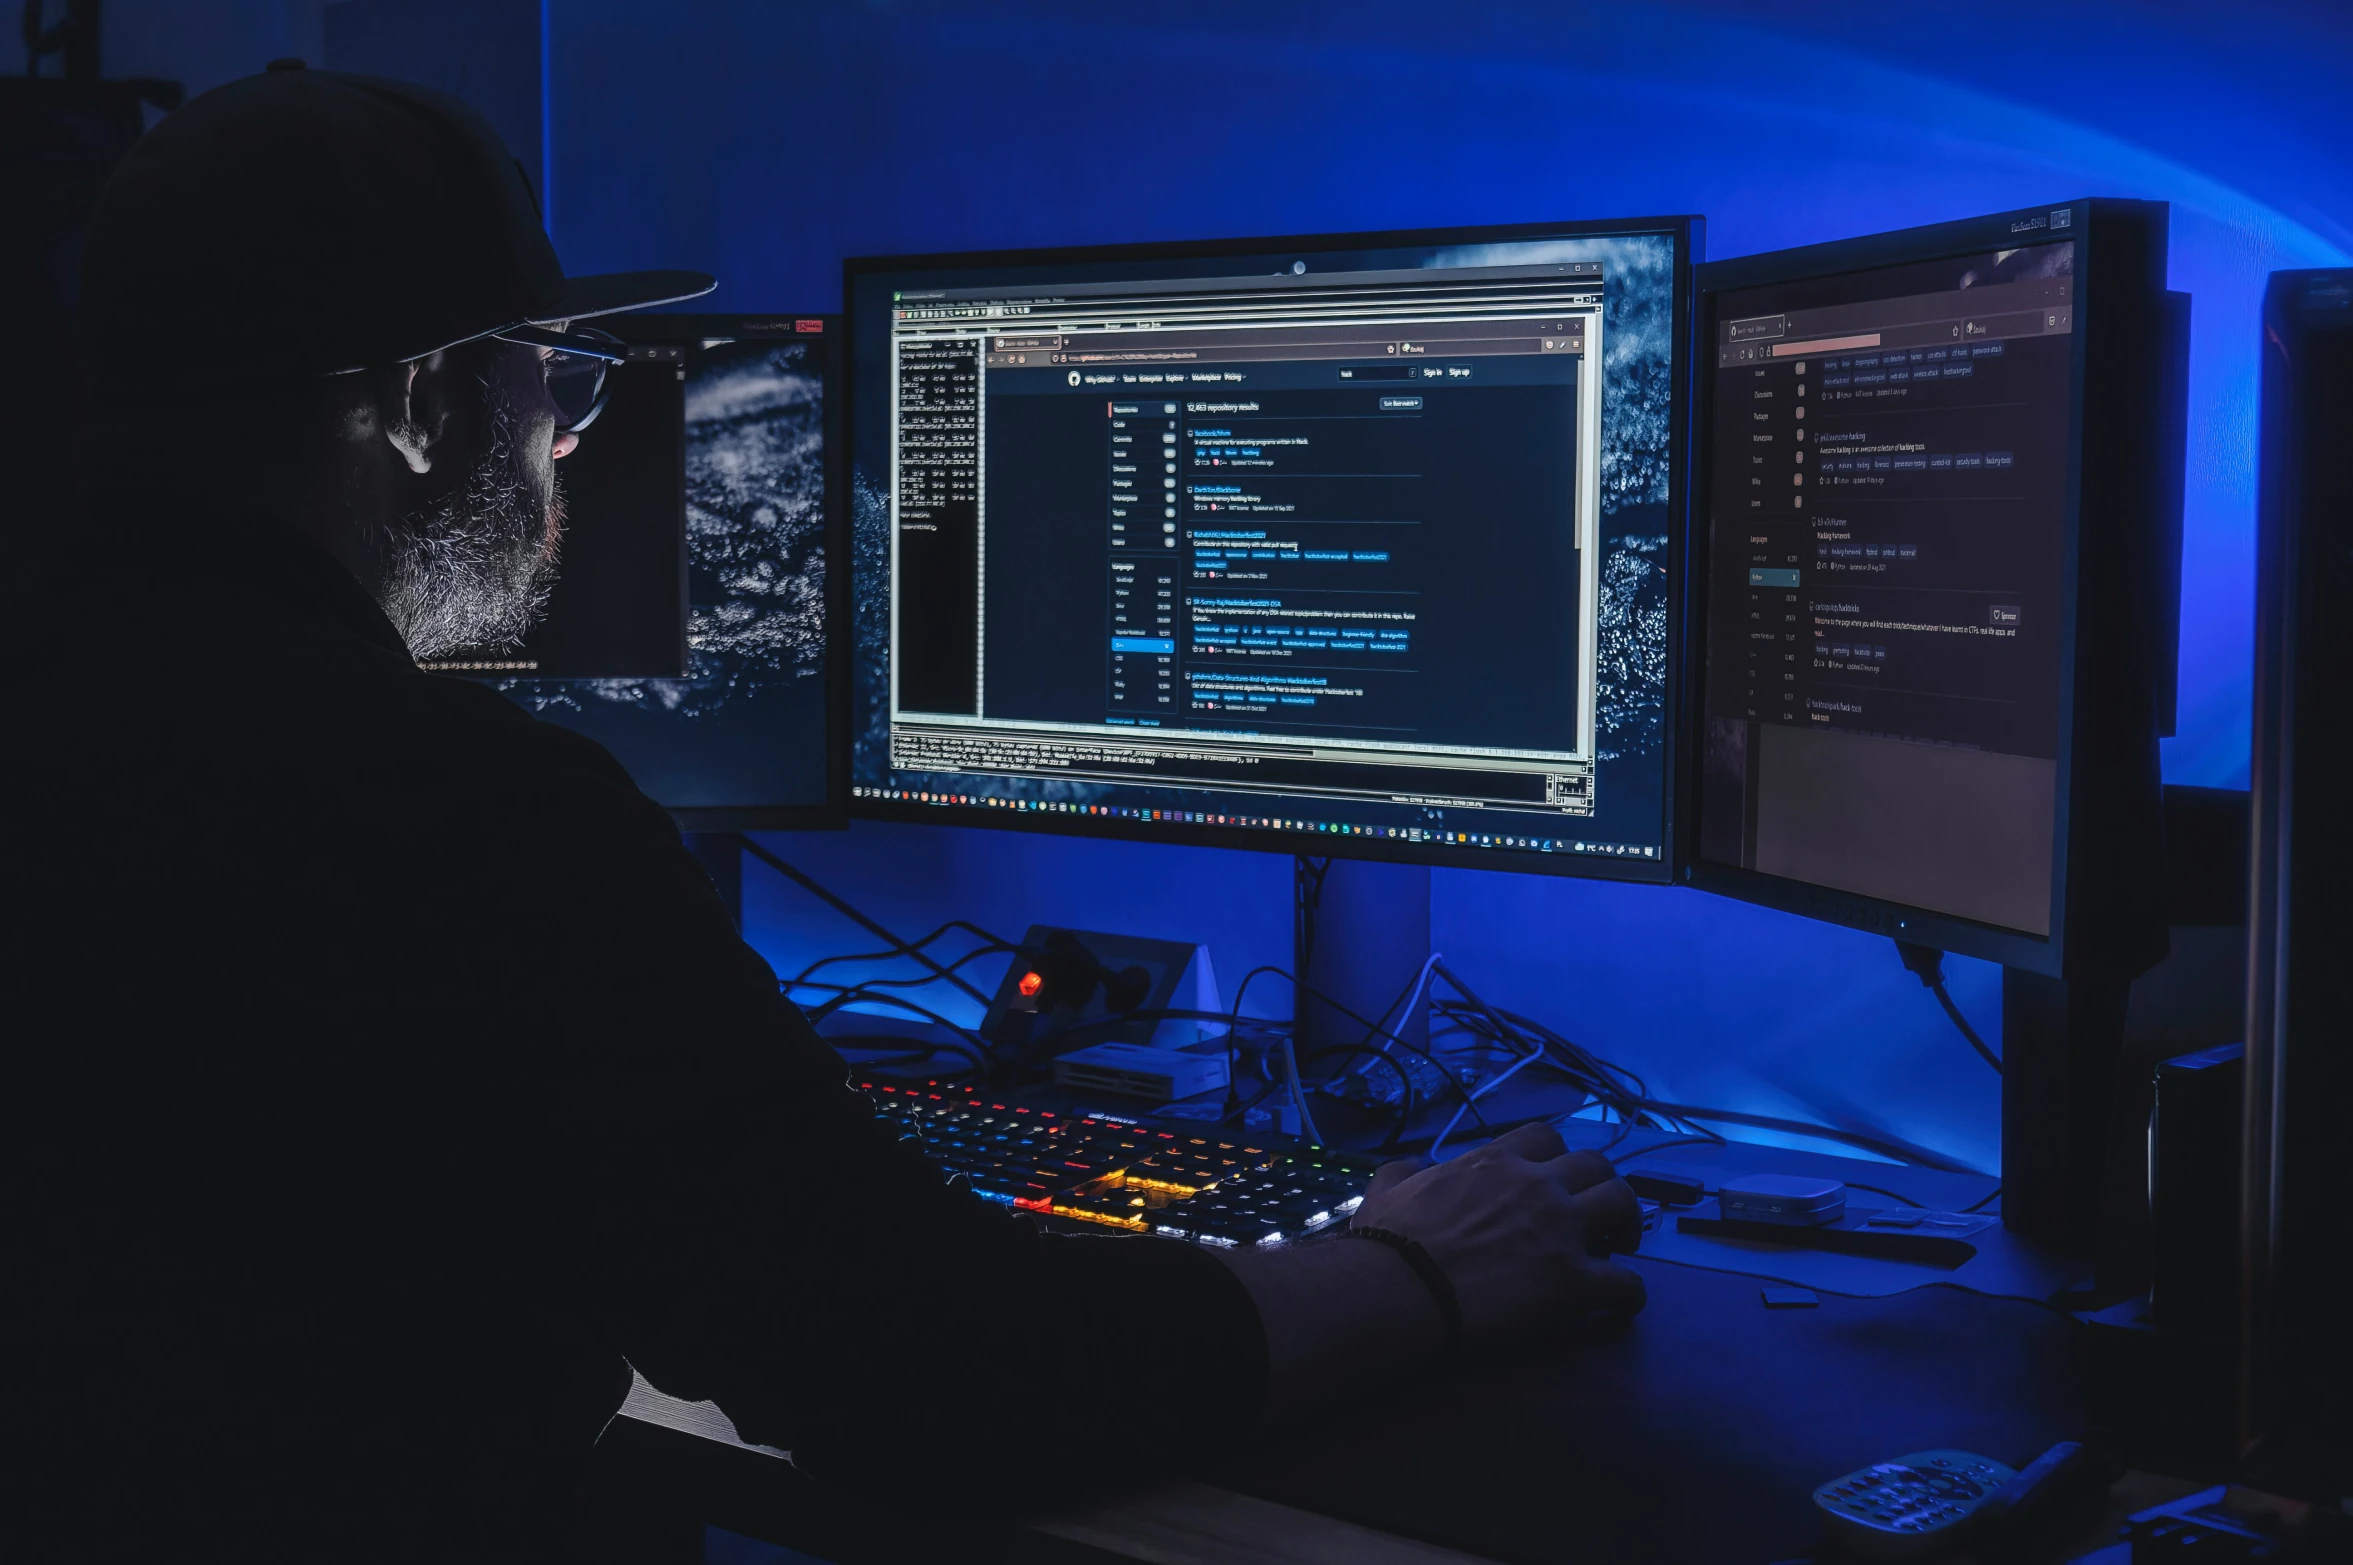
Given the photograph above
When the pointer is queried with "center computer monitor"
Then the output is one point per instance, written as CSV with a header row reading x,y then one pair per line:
x,y
1368,543
1933,506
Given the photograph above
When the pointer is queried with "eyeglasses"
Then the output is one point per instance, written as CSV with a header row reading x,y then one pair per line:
x,y
577,365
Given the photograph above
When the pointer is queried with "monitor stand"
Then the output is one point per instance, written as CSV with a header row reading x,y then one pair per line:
x,y
1370,926
2061,1043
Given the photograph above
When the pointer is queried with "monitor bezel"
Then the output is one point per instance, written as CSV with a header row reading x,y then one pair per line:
x,y
655,326
1688,234
2087,932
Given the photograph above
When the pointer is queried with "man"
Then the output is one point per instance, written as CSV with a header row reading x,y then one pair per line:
x,y
398,1080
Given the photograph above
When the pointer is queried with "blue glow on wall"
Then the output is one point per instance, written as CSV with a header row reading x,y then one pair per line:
x,y
765,143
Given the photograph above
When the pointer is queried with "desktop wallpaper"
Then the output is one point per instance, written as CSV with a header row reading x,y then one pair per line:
x,y
1636,419
745,727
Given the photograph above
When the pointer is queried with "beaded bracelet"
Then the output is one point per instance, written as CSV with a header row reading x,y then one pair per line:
x,y
1441,1290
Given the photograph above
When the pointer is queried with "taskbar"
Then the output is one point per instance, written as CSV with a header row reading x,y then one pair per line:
x,y
1421,834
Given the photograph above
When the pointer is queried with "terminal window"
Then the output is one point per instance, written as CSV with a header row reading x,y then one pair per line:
x,y
1888,518
1329,539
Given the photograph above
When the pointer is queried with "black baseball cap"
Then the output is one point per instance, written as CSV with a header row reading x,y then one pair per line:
x,y
303,223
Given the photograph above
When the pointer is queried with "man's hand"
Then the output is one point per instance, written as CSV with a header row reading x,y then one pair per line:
x,y
1521,1228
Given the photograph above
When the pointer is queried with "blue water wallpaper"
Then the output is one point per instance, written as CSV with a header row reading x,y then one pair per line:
x,y
733,733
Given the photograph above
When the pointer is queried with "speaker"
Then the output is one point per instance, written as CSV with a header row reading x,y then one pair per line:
x,y
2194,1155
2298,1157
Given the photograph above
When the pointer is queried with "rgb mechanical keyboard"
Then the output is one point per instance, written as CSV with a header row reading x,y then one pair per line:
x,y
1182,1183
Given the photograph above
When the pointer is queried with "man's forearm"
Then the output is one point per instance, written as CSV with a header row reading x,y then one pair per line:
x,y
1328,1310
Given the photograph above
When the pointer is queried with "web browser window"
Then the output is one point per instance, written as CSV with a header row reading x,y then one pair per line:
x,y
1318,549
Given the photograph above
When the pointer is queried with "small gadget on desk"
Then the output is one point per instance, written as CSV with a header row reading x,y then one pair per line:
x,y
1115,1013
1139,1071
1073,988
1918,1504
1666,1187
1790,1200
1909,1507
1812,1213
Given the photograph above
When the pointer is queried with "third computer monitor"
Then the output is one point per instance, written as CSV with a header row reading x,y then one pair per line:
x,y
1367,544
1932,512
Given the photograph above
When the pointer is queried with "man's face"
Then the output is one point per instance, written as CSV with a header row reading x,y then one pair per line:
x,y
523,373
471,569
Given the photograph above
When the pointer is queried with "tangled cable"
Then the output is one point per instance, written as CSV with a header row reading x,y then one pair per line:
x,y
1496,1044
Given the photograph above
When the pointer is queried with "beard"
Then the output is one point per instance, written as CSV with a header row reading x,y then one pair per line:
x,y
474,571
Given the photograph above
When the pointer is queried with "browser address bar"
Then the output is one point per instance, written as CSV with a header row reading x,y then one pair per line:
x,y
1790,350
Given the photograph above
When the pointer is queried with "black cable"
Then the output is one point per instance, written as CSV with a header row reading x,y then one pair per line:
x,y
1655,1259
1487,1131
1346,1013
1307,895
1945,999
802,880
1606,1080
1233,1013
881,956
1926,963
1610,1084
1398,1007
1991,1197
966,1040
1424,984
1679,1141
1408,1101
1526,1051
1381,1052
1382,1029
973,955
1892,1195
1896,1151
1165,1014
1238,1113
1593,1075
1372,1029
903,1057
846,993
988,944
1613,1086
1618,1089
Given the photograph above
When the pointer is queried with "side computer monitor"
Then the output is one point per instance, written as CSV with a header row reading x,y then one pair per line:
x,y
1365,544
1934,516
700,605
